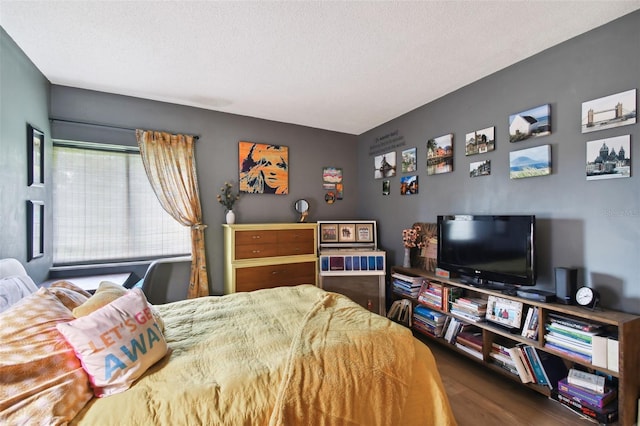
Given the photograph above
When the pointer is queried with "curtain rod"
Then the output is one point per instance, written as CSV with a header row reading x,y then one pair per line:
x,y
85,123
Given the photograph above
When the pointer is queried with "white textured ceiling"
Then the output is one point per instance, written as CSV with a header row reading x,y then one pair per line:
x,y
343,66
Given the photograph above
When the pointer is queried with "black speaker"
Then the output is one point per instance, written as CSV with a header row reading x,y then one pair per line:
x,y
566,285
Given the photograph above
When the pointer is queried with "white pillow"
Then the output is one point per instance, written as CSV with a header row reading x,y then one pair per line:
x,y
14,288
117,343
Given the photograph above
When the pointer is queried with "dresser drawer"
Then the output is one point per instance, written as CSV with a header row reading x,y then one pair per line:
x,y
256,237
296,236
268,276
256,251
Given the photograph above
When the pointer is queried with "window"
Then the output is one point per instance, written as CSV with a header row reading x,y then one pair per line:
x,y
104,208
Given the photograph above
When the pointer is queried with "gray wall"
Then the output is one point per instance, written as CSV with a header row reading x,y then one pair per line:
x,y
217,156
594,226
24,98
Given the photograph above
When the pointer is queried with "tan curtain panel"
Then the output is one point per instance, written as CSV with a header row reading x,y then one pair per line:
x,y
169,161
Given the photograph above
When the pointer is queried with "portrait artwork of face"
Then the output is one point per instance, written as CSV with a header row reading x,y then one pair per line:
x,y
264,169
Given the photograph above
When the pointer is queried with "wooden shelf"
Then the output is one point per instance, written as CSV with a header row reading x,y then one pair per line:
x,y
626,325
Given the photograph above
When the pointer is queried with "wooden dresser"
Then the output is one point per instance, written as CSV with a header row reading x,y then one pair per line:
x,y
265,255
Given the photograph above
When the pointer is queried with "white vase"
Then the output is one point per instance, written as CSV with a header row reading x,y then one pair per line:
x,y
407,258
230,217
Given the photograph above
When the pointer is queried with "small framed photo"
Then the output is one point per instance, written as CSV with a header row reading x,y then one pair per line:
x,y
505,312
35,149
347,232
328,232
364,232
35,229
480,168
611,111
409,160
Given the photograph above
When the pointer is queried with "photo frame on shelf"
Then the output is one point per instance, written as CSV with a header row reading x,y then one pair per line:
x,y
505,312
346,232
328,232
35,229
364,232
35,150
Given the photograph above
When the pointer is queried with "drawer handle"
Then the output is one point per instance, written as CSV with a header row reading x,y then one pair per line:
x,y
255,251
256,237
278,272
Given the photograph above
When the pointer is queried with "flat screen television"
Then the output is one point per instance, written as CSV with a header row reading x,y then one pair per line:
x,y
487,249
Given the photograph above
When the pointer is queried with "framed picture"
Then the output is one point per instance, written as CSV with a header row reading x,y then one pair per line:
x,y
364,232
263,169
440,155
530,162
35,229
480,168
346,232
609,158
610,111
409,160
409,185
480,141
532,123
331,177
328,232
386,187
505,312
35,148
384,165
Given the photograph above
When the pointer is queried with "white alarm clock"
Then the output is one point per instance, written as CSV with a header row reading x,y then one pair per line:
x,y
587,297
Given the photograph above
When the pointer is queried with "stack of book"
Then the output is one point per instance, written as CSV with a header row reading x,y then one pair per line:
x,y
588,395
470,308
469,340
429,321
450,295
571,337
431,294
501,356
406,285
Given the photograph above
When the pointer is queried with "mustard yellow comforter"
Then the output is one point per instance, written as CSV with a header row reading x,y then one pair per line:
x,y
284,356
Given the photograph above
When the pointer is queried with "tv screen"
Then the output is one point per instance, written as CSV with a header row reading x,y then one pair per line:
x,y
497,249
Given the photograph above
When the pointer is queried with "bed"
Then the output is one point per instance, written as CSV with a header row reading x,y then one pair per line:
x,y
284,356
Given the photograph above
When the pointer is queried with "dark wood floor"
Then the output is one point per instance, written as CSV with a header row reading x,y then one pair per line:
x,y
480,397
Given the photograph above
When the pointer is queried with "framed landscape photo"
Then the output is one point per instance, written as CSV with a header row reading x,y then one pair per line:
x,y
530,162
480,141
610,111
480,168
532,123
35,150
35,229
440,155
609,158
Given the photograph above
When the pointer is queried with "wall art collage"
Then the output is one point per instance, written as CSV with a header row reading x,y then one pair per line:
x,y
607,158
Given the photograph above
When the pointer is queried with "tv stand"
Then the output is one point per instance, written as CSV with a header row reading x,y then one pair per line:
x,y
625,325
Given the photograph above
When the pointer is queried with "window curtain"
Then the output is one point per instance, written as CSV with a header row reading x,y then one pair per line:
x,y
169,161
